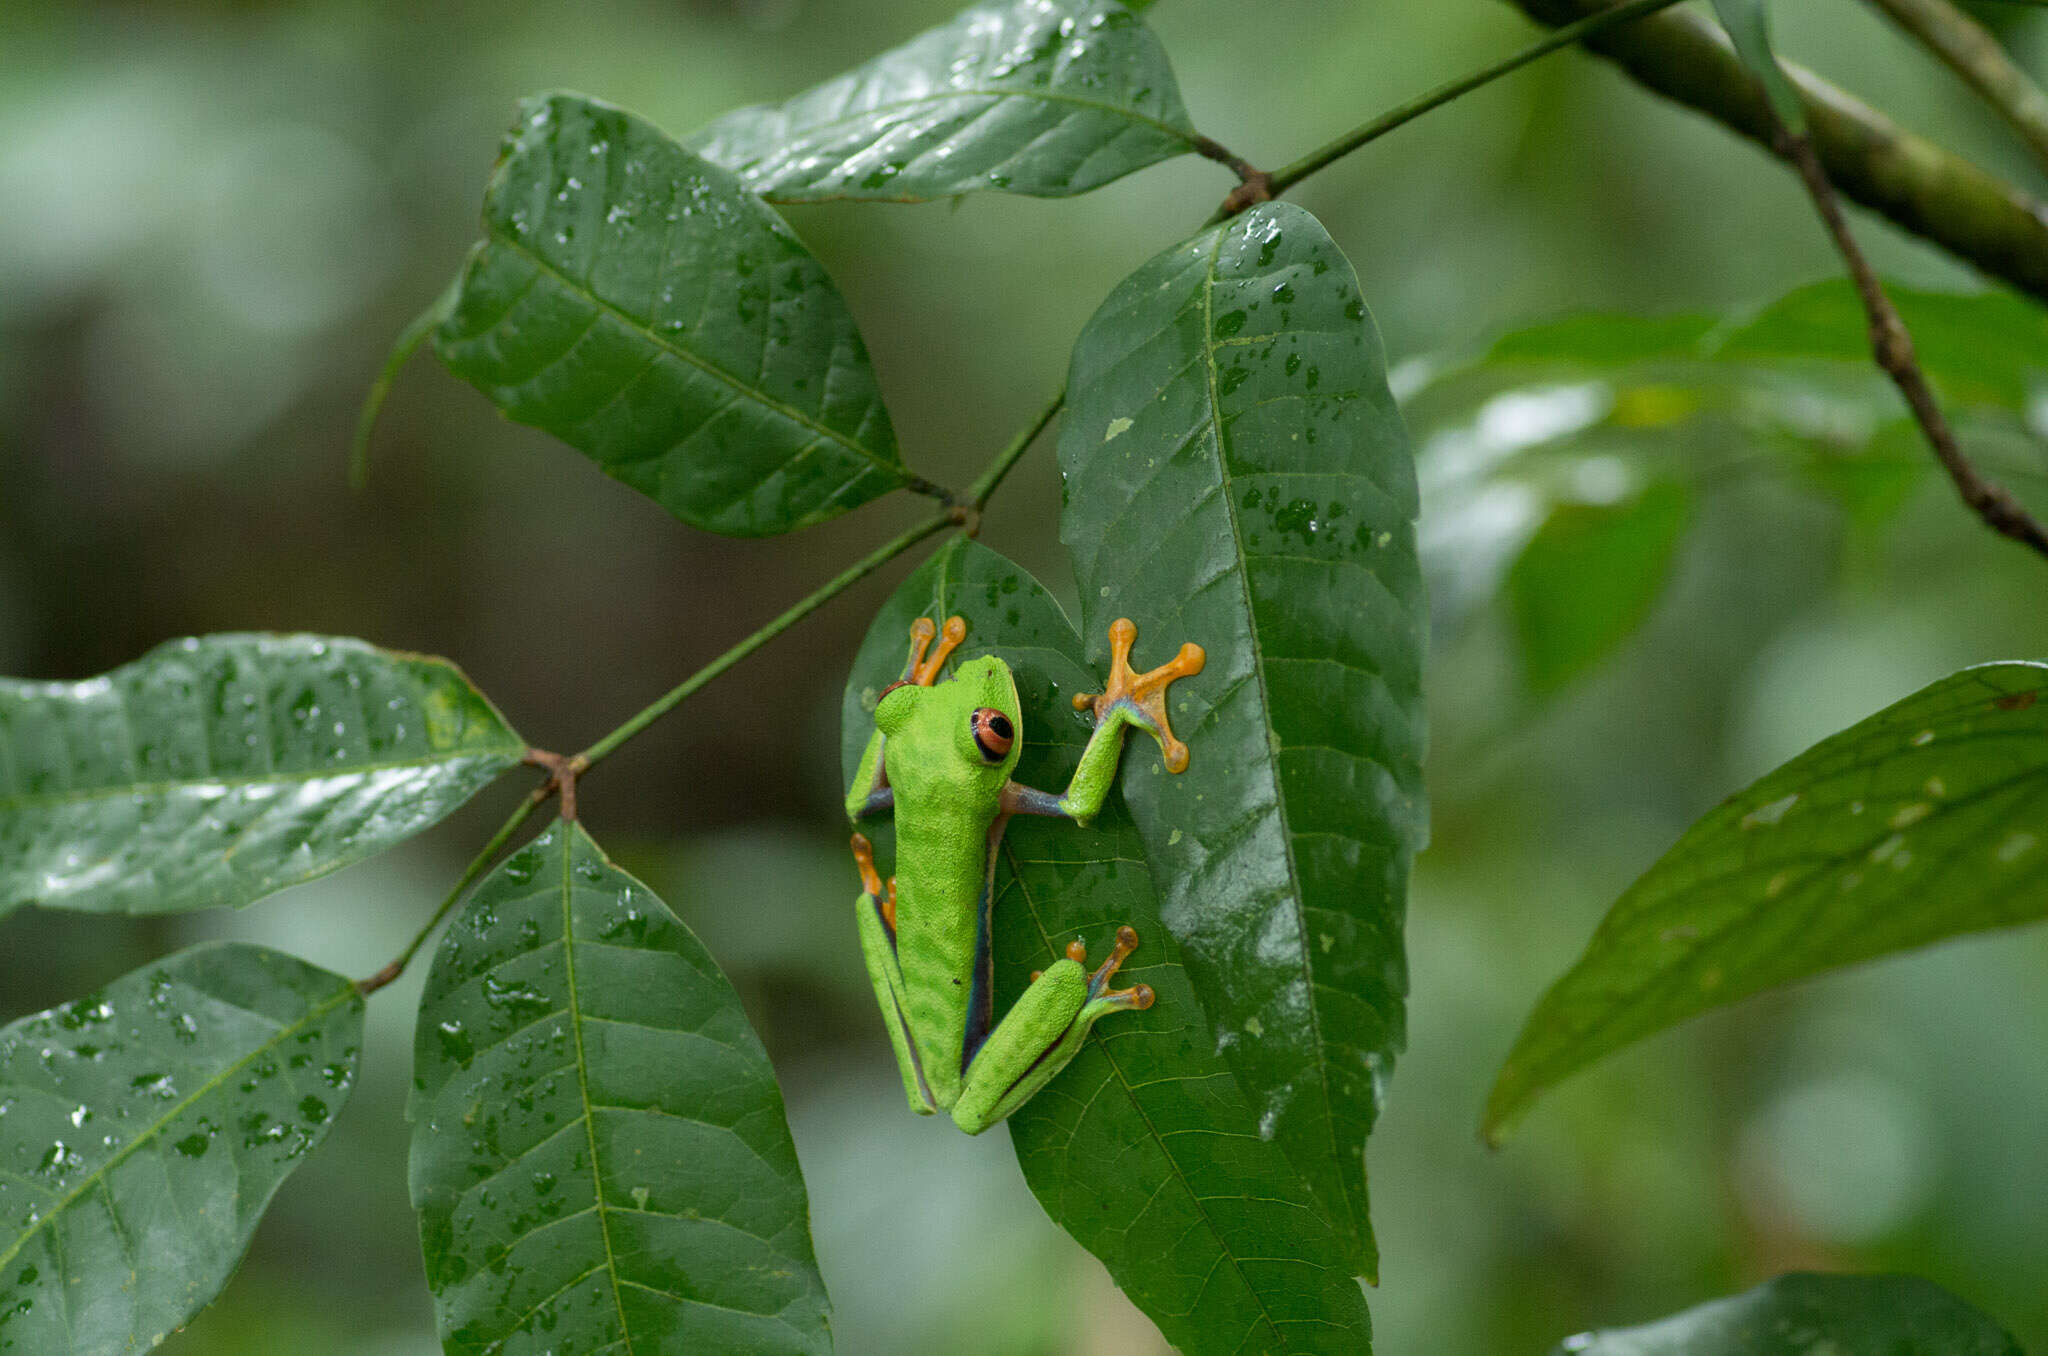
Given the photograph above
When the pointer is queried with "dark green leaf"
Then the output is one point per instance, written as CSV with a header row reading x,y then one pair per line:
x,y
639,304
144,1128
1589,577
599,1154
1748,24
1805,1314
1043,97
219,770
1922,822
1237,476
1143,1148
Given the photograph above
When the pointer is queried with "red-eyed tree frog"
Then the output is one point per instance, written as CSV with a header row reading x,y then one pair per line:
x,y
940,759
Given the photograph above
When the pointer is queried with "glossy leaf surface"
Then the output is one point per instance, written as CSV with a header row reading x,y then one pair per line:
x,y
1237,476
1807,1314
639,304
1922,822
599,1155
144,1128
218,770
1143,1148
1588,578
1041,97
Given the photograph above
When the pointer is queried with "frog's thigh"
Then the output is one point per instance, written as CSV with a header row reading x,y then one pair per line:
x,y
1035,1040
879,951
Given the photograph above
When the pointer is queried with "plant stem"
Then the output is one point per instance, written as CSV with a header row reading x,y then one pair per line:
x,y
844,580
979,493
1289,175
1973,53
1923,188
477,866
1893,348
402,348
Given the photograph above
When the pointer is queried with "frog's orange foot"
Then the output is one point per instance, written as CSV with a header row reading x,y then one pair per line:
x,y
1138,996
922,669
871,880
1144,694
864,859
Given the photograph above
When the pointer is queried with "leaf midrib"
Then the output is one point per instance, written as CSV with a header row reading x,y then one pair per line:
x,y
168,788
895,468
1186,136
603,1208
1315,1016
344,994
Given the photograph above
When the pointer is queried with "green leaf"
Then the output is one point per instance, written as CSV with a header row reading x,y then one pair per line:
x,y
144,1128
1748,24
639,304
1582,408
218,770
599,1154
1042,97
1237,476
1143,1148
1979,349
1590,576
1806,1314
1919,823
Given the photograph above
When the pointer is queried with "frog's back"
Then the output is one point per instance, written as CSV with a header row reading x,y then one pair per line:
x,y
942,904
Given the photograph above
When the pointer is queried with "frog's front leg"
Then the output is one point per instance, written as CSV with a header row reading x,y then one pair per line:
x,y
1128,699
1042,1032
875,917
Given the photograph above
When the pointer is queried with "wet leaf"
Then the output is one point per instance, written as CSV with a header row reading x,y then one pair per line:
x,y
1143,1148
144,1128
1806,1314
1042,97
218,770
1237,476
1590,576
639,304
1922,822
599,1154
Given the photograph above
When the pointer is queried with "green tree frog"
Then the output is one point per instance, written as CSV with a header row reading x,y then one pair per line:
x,y
940,759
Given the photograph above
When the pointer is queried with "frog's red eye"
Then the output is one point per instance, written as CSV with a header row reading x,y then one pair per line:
x,y
993,733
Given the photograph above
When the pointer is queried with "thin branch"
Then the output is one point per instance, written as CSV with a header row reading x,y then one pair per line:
x,y
1973,53
841,582
1920,186
470,874
984,487
402,348
1287,176
1893,348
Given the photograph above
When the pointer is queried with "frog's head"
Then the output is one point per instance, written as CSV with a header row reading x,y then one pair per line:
x,y
968,727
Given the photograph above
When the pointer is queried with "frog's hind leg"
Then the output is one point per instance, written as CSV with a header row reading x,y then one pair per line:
x,y
1042,1032
875,916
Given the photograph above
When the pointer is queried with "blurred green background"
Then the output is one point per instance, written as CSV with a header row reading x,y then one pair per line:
x,y
213,216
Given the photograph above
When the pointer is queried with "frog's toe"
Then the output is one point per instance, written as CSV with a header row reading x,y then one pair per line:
x,y
922,668
1138,996
1143,695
